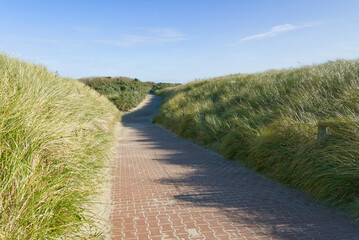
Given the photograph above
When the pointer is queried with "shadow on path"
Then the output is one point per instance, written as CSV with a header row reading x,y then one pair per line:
x,y
246,198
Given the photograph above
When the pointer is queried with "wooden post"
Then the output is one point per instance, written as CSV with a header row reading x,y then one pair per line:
x,y
322,134
203,117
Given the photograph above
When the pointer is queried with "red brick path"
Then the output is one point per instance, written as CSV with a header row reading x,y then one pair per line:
x,y
167,188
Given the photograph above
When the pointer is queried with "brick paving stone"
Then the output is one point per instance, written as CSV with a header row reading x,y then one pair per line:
x,y
165,187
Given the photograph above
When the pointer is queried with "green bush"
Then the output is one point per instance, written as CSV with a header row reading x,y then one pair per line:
x,y
56,136
159,86
125,93
269,122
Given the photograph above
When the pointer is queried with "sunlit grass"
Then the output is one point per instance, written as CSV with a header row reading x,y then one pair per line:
x,y
63,132
269,122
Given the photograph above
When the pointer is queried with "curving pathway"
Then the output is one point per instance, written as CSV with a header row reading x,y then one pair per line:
x,y
165,187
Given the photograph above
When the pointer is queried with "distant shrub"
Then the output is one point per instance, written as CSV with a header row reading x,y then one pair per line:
x,y
124,92
159,86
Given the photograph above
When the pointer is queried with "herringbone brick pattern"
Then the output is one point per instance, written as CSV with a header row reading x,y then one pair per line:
x,y
168,188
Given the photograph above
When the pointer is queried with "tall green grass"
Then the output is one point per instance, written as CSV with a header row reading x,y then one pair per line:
x,y
269,122
58,134
126,93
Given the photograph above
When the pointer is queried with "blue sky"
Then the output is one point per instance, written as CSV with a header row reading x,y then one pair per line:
x,y
177,40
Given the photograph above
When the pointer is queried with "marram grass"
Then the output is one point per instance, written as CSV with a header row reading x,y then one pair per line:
x,y
59,134
269,122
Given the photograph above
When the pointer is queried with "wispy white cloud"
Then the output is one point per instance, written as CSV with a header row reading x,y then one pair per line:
x,y
276,30
137,37
168,33
45,40
58,41
147,37
83,29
